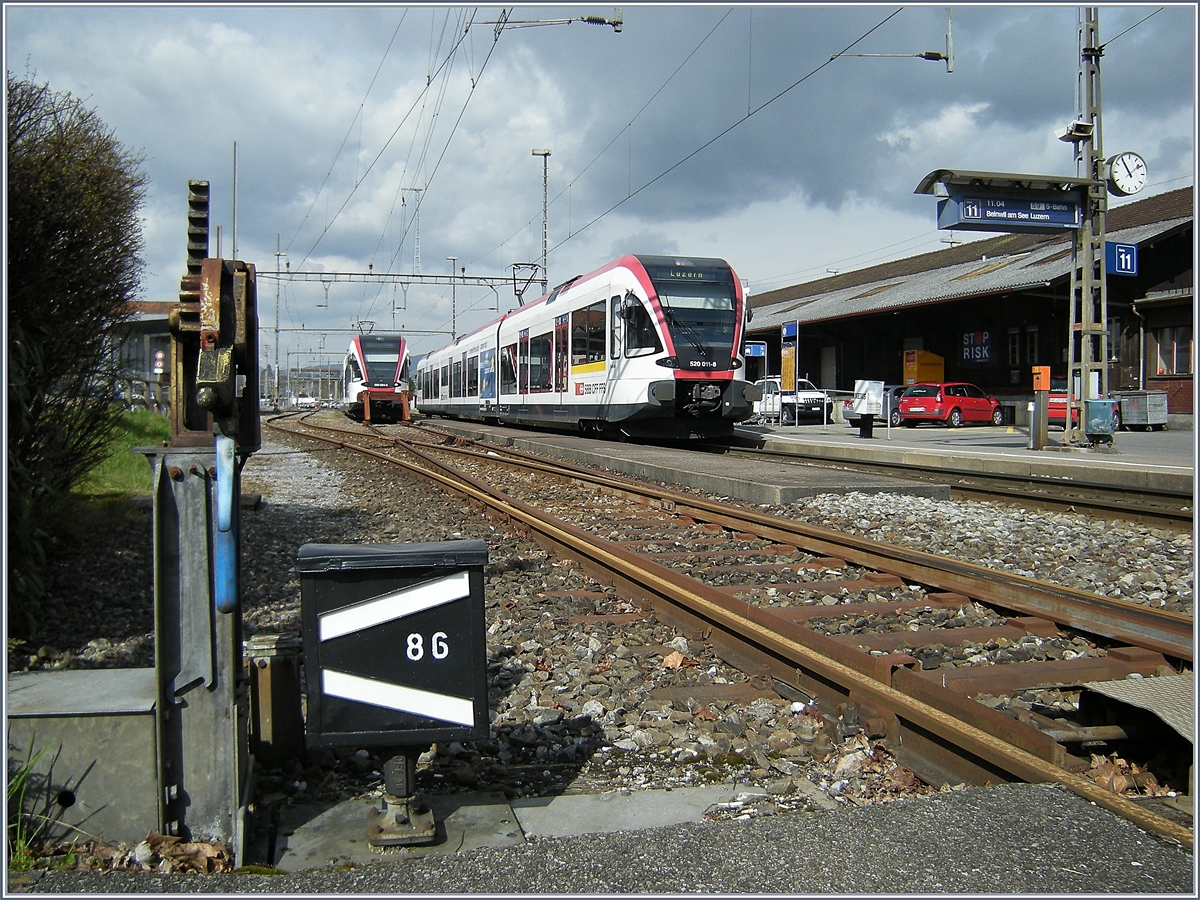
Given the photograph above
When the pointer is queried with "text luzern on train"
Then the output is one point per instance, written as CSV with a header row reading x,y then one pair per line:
x,y
645,346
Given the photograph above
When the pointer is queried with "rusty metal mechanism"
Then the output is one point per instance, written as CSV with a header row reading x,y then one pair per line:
x,y
214,371
405,819
202,689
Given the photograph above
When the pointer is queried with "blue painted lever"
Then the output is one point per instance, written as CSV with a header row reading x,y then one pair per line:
x,y
225,550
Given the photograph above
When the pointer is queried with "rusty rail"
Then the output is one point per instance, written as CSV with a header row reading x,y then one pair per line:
x,y
915,706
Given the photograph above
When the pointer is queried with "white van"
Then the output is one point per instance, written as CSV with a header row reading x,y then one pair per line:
x,y
808,403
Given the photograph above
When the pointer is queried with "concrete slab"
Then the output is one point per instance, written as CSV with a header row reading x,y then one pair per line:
x,y
320,837
574,814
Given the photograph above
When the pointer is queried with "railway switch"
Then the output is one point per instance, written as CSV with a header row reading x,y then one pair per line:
x,y
395,654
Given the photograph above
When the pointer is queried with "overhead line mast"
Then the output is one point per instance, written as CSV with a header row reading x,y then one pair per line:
x,y
1087,340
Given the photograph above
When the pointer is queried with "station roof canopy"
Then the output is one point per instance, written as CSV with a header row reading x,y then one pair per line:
x,y
995,265
1008,180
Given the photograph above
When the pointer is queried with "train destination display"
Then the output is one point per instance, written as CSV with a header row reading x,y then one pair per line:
x,y
980,213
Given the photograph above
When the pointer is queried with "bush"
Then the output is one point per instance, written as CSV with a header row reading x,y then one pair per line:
x,y
74,266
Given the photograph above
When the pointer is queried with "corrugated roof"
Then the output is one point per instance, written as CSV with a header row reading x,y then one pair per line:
x,y
1005,263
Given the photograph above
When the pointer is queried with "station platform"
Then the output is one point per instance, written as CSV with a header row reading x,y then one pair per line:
x,y
1153,460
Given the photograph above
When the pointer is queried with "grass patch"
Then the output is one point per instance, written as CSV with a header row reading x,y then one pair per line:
x,y
125,473
23,828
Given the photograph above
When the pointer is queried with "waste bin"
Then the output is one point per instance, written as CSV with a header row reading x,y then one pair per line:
x,y
1099,418
395,643
1143,409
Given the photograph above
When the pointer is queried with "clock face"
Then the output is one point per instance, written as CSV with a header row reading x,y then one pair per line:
x,y
1126,173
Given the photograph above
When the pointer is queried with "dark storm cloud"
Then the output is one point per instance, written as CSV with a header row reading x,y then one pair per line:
x,y
823,139
322,161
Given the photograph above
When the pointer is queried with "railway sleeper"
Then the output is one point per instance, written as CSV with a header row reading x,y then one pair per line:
x,y
867,582
818,563
690,541
776,550
891,641
1052,673
866,608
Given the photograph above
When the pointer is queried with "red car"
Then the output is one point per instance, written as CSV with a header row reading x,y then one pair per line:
x,y
949,403
1056,404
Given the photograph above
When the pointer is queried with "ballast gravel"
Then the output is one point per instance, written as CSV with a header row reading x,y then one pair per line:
x,y
586,706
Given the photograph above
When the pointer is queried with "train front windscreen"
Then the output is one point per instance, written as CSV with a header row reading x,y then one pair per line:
x,y
701,316
380,356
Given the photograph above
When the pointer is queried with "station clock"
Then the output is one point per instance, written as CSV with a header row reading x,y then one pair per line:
x,y
1126,173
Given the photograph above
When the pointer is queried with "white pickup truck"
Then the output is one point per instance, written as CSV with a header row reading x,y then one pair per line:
x,y
807,404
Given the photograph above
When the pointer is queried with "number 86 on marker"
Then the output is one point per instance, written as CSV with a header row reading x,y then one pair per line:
x,y
438,648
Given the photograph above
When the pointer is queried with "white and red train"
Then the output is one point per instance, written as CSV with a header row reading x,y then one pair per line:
x,y
375,377
646,346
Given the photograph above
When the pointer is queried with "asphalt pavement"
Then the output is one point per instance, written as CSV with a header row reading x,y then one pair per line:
x,y
1006,839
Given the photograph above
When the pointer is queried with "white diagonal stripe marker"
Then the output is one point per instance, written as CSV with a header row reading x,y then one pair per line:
x,y
395,605
398,697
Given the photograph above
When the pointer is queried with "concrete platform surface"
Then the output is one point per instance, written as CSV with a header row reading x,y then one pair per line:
x,y
756,481
316,837
1007,839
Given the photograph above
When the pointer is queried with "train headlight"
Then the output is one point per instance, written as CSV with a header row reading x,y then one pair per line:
x,y
667,362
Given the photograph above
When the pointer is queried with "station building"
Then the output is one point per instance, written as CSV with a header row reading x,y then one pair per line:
x,y
143,345
992,309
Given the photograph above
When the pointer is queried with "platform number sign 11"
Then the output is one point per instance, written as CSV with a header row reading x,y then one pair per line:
x,y
1120,259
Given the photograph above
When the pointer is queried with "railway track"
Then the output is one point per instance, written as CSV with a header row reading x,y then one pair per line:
x,y
848,621
1159,506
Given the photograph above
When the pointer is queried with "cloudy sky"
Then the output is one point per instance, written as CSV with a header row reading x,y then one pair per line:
x,y
704,130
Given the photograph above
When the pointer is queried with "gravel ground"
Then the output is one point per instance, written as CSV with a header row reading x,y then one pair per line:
x,y
575,707
1135,563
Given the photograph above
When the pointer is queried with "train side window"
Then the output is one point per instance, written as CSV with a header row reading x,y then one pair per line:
x,y
640,334
473,376
445,387
540,362
508,369
456,382
614,349
587,334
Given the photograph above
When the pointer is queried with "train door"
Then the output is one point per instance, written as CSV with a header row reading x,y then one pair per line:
x,y
561,362
616,352
487,380
523,370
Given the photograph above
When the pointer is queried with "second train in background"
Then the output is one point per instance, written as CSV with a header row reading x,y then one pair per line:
x,y
375,378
